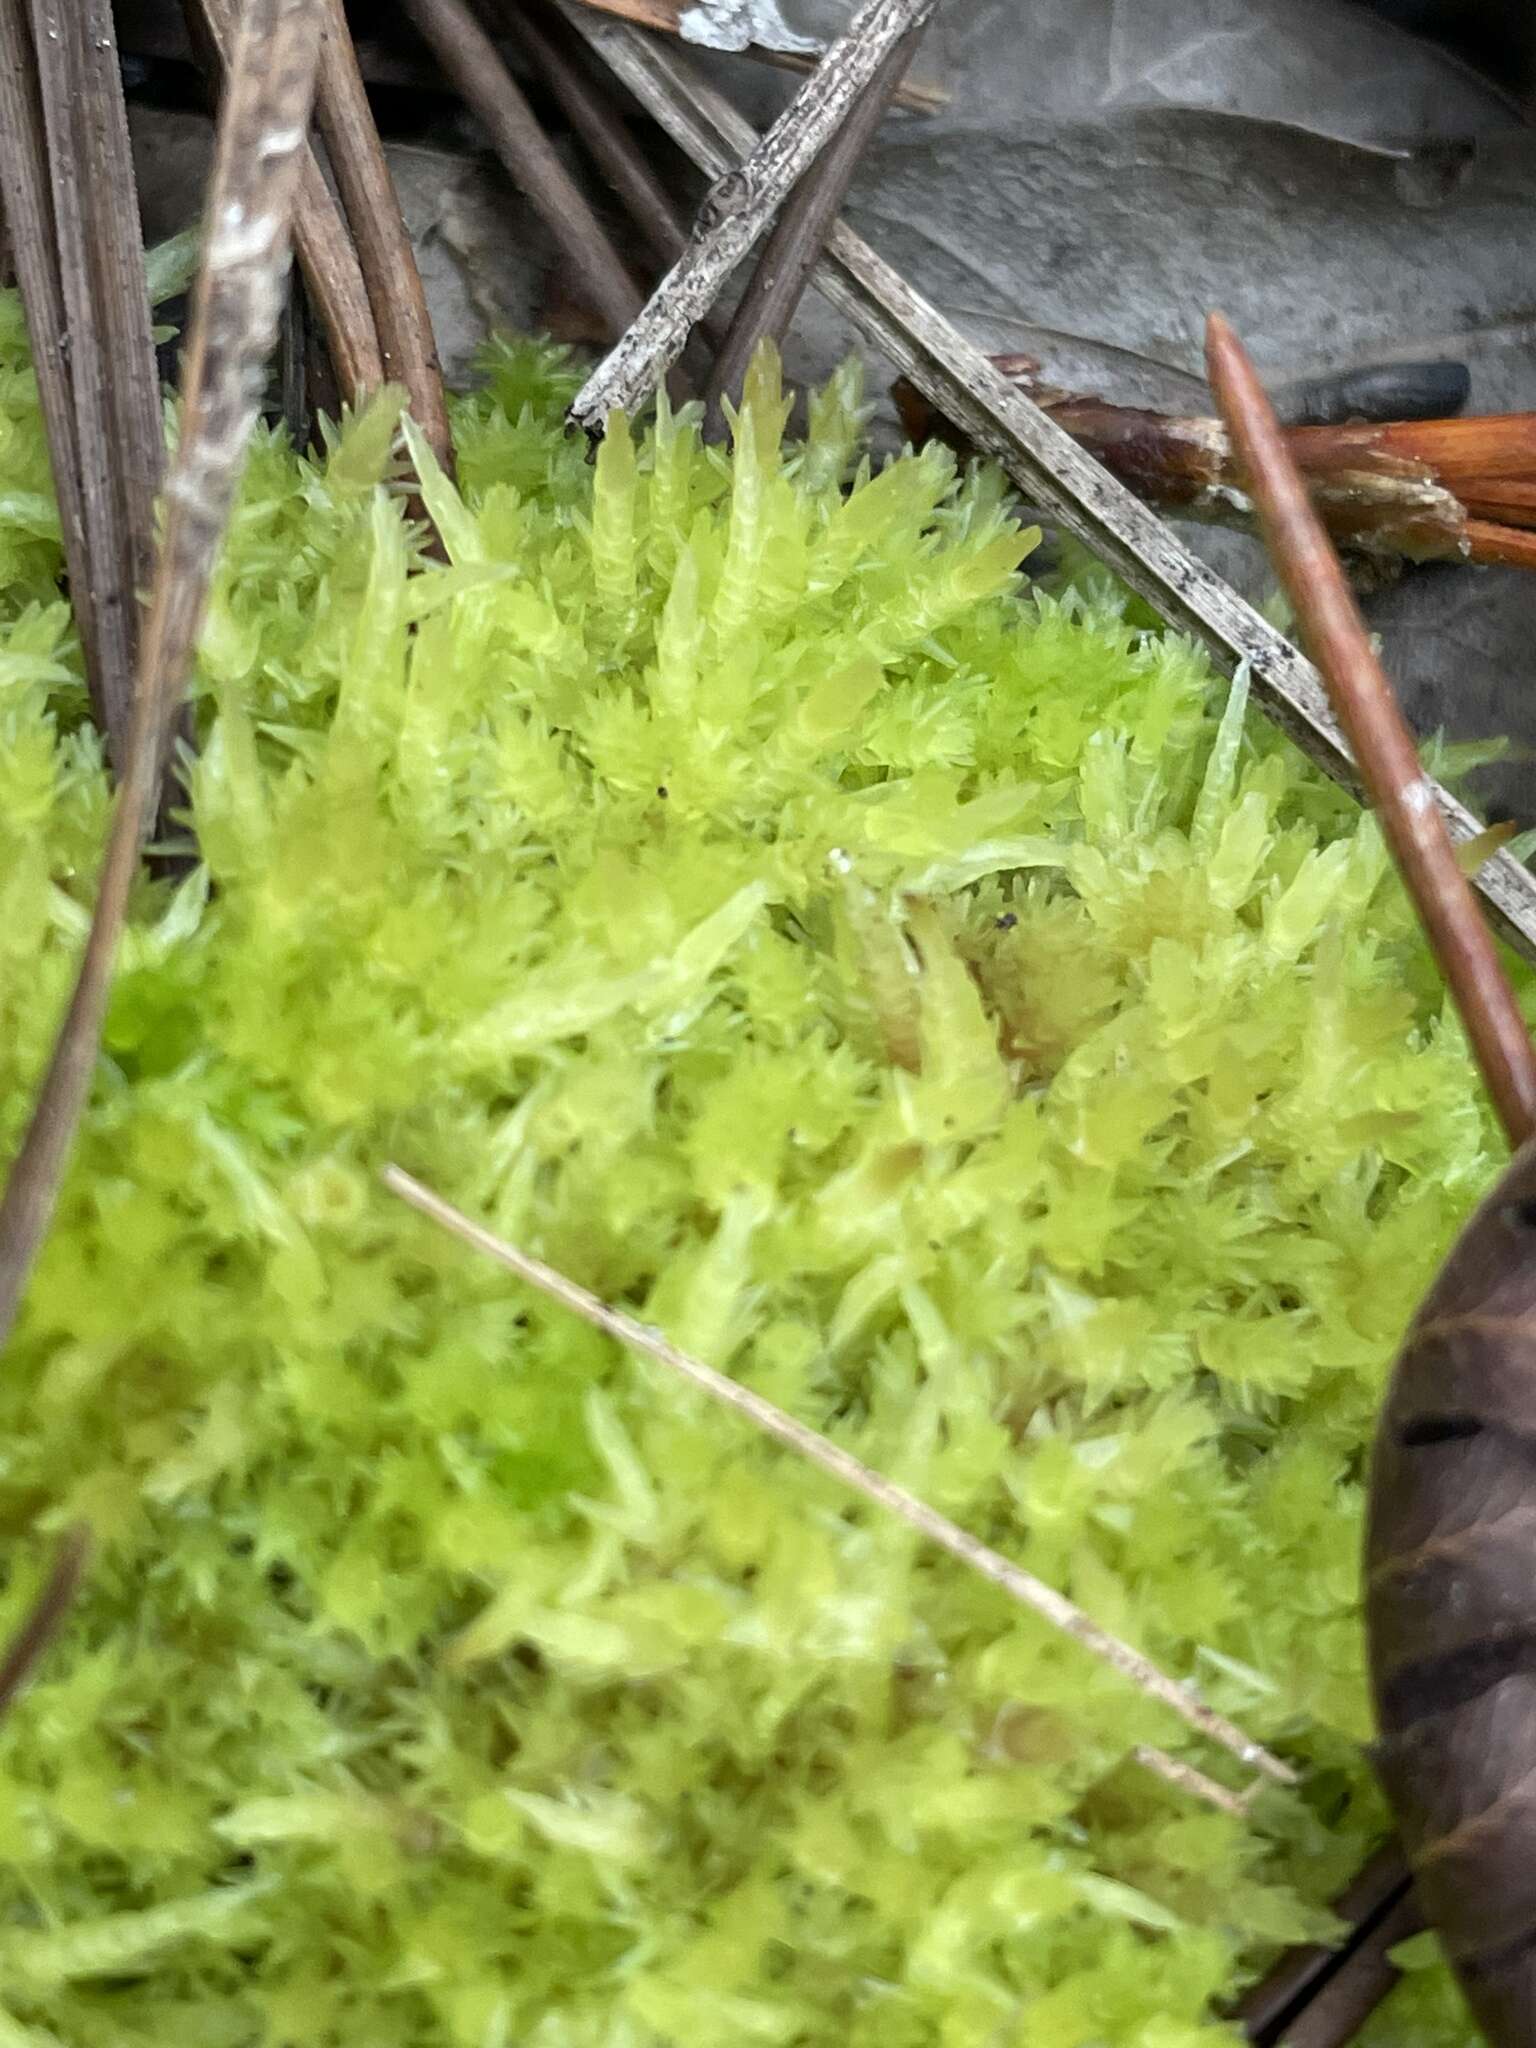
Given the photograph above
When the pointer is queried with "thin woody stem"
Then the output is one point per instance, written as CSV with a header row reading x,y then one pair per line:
x,y
1019,1584
1379,736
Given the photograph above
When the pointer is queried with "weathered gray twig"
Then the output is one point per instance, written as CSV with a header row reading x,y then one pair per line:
x,y
235,310
789,255
45,1617
739,206
372,207
474,64
1041,458
851,1472
1184,1777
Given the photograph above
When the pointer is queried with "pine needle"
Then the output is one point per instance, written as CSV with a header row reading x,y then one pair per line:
x,y
808,1443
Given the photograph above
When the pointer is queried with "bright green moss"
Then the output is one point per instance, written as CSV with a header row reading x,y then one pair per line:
x,y
934,1001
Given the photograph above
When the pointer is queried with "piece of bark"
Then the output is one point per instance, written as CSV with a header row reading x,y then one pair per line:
x,y
1401,491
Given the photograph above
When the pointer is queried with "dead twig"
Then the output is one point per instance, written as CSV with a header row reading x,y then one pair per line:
x,y
235,312
665,16
1195,1784
333,275
1383,746
474,64
1041,457
293,367
1020,1585
1344,2002
127,329
372,206
789,255
739,206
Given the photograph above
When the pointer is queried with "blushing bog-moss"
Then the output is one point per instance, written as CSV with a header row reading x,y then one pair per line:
x,y
929,998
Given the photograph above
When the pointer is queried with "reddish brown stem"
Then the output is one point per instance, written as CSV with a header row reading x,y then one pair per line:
x,y
1382,744
1509,546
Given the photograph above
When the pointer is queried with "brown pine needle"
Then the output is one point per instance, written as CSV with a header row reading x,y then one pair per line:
x,y
372,206
474,64
807,1443
1378,734
333,276
235,311
45,1617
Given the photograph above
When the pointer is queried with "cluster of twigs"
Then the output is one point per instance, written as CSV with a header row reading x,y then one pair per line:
x,y
65,179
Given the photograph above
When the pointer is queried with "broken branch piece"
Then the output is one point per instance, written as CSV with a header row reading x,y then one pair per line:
x,y
1419,491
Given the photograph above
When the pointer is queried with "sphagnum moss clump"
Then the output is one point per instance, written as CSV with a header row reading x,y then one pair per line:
x,y
934,1002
